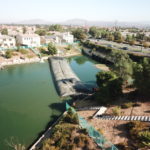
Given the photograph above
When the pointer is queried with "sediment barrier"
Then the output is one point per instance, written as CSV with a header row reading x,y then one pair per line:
x,y
67,82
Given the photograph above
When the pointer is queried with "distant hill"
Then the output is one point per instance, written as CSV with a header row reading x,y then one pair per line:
x,y
34,21
83,22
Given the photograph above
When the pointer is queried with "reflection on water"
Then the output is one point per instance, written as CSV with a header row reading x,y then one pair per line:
x,y
28,99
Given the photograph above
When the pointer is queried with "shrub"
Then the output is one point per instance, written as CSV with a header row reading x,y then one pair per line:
x,y
71,117
110,86
69,47
116,111
144,136
23,51
127,105
8,54
141,77
52,49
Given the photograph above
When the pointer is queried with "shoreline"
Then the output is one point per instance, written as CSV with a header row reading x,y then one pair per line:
x,y
19,61
102,67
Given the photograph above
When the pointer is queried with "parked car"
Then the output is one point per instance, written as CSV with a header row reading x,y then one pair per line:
x,y
125,48
109,45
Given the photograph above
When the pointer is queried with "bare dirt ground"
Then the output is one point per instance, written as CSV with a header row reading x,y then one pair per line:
x,y
114,131
102,67
18,55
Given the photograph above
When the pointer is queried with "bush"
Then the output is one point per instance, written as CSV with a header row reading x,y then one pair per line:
x,y
127,105
144,136
23,51
116,111
52,49
141,77
110,86
8,54
69,47
71,117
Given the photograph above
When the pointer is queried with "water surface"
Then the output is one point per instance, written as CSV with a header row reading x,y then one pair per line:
x,y
28,99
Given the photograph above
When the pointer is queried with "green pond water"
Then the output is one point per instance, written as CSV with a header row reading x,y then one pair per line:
x,y
29,101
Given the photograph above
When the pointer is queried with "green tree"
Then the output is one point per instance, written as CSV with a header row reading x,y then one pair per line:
x,y
128,38
79,34
141,76
94,32
123,65
103,78
41,32
8,54
110,37
52,49
110,86
56,27
118,36
24,30
4,31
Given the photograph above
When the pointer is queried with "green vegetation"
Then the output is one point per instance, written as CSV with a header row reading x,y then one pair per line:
x,y
127,105
69,47
135,35
116,111
52,49
79,34
56,27
110,87
67,135
94,32
135,74
140,133
41,32
4,31
123,65
8,54
141,76
23,51
24,30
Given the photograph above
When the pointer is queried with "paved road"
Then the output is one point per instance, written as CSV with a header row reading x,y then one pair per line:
x,y
126,47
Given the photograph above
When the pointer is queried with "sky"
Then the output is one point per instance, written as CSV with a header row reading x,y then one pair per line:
x,y
61,10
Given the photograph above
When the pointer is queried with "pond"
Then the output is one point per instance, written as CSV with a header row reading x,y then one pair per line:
x,y
29,101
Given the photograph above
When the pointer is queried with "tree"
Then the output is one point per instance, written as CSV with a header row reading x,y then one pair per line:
x,y
141,76
8,54
128,38
132,42
94,32
79,34
118,37
4,31
55,27
110,86
24,30
110,37
103,78
52,49
123,65
41,32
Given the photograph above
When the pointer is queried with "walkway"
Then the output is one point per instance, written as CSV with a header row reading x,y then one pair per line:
x,y
125,118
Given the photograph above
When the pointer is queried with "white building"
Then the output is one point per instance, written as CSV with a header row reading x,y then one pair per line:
x,y
7,41
32,40
67,37
53,38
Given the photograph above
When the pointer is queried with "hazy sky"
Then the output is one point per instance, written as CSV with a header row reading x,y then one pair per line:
x,y
60,10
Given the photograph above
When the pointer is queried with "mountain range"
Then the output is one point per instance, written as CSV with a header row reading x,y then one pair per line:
x,y
82,22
